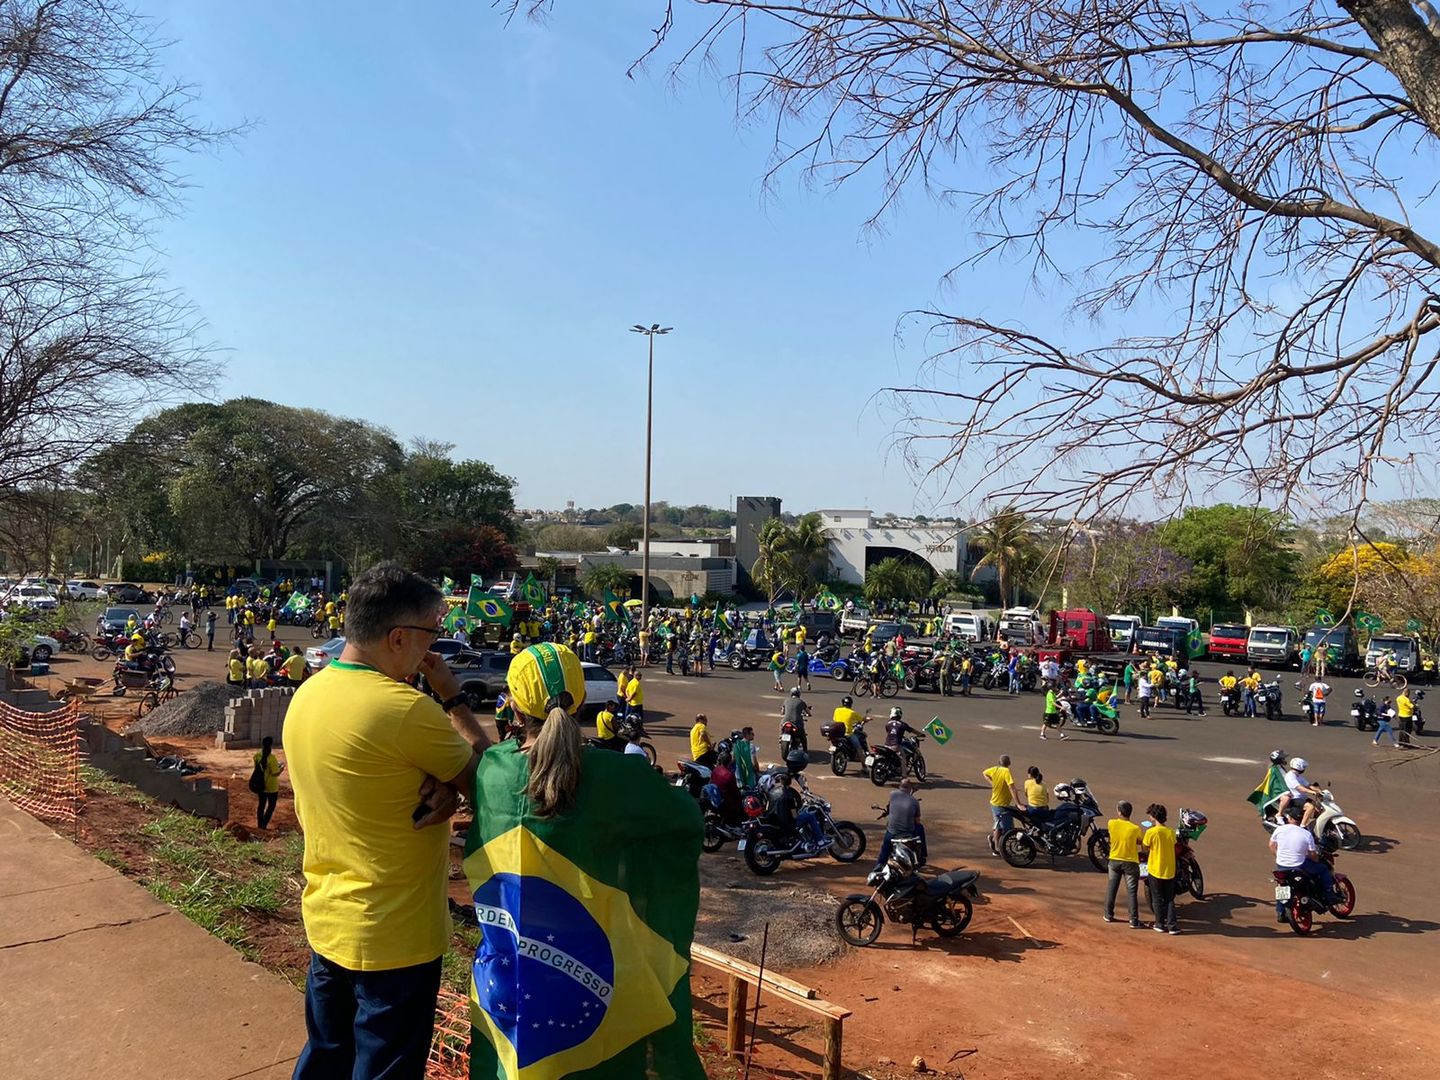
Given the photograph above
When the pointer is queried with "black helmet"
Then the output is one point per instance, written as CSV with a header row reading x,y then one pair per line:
x,y
1277,756
796,760
847,701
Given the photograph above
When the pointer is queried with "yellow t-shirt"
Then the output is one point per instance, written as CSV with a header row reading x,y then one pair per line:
x,y
848,717
270,625
256,669
635,693
1156,676
1124,840
799,635
272,773
294,667
605,724
1160,843
699,741
237,670
1228,682
1404,707
359,744
621,682
249,617
1000,781
1036,793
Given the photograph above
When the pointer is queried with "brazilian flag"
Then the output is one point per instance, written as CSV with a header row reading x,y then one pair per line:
x,y
615,608
1268,790
938,731
487,608
585,920
447,586
533,592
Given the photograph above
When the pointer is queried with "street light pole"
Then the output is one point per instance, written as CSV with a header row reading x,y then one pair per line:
x,y
650,332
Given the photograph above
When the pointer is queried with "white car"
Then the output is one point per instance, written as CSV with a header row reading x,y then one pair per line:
x,y
85,590
317,656
42,647
35,597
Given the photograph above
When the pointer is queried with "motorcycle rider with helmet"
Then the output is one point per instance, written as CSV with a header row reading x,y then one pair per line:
x,y
895,731
794,712
789,818
1299,792
1295,850
850,720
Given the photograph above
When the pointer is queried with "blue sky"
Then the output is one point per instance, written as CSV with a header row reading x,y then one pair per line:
x,y
438,222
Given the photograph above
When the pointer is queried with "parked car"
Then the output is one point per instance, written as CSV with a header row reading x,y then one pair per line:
x,y
34,597
970,626
1229,641
1342,649
317,656
599,688
247,587
129,593
448,647
481,674
1404,648
885,632
819,622
114,619
40,649
1273,646
85,590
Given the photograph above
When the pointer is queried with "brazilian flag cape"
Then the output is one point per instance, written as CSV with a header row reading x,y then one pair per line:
x,y
585,920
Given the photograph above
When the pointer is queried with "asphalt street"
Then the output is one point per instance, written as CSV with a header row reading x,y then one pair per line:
x,y
1210,763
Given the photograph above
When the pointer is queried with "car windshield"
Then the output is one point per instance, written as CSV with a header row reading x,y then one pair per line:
x,y
119,614
1333,638
1226,631
1269,637
1400,646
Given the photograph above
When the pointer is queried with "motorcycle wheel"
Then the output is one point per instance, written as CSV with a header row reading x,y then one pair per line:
x,y
1346,908
650,754
880,771
1196,880
100,652
952,916
1225,708
1297,914
1099,850
1017,849
713,840
849,842
759,858
858,921
909,684
917,766
1349,835
839,761
1108,725
840,672
737,662
889,687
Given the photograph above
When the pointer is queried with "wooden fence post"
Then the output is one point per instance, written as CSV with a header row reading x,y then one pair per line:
x,y
830,1069
735,1014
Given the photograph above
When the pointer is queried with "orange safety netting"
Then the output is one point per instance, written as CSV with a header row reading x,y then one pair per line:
x,y
40,761
450,1049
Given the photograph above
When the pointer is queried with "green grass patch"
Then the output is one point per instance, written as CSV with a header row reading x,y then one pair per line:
x,y
110,858
459,957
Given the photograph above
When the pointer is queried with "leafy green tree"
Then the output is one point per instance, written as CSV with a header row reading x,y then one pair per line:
x,y
1237,553
603,577
1123,568
569,538
622,535
897,579
461,550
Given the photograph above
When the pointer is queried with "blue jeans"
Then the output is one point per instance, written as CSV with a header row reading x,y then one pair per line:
x,y
368,1024
809,824
1249,703
887,844
1014,682
1310,868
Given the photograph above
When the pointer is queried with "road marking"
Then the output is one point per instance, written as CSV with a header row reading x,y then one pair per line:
x,y
992,727
1233,760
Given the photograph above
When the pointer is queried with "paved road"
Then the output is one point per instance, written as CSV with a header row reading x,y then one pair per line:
x,y
1210,763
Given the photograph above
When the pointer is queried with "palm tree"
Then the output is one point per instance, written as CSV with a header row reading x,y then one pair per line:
x,y
809,553
1008,541
896,579
604,577
771,571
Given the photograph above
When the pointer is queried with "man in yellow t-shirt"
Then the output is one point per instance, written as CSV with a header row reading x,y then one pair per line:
x,y
1405,713
635,696
257,670
294,668
375,765
235,670
1159,845
1003,796
702,750
605,724
851,720
1124,862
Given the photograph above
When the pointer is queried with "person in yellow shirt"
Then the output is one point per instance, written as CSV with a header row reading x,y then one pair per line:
x,y
589,644
635,697
622,683
1003,796
702,750
235,670
1405,713
850,720
516,645
270,768
800,636
257,671
375,765
1037,795
605,725
1159,845
1124,863
294,668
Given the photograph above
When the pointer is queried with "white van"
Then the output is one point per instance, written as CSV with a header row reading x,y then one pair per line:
x,y
970,626
1121,629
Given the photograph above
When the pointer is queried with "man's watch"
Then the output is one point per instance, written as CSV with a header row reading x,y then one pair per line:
x,y
450,702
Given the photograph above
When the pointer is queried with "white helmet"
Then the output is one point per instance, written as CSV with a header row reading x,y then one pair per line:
x,y
1299,764
896,714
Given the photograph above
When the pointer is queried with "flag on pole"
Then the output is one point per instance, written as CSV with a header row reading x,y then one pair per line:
x,y
614,609
491,609
938,731
533,592
582,965
1268,790
476,581
827,600
298,604
447,586
454,617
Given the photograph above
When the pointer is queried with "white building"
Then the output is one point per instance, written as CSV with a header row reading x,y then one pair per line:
x,y
857,542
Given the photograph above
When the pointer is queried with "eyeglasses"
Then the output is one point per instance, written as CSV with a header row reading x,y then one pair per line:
x,y
433,631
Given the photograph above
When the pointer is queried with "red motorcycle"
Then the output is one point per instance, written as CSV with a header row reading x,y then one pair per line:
x,y
1302,897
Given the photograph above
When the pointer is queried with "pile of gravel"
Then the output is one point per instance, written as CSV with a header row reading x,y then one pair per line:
x,y
736,903
197,711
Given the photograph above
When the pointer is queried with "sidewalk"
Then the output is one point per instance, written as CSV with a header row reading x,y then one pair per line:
x,y
98,978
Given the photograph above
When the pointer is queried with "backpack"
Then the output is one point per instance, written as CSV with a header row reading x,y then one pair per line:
x,y
257,779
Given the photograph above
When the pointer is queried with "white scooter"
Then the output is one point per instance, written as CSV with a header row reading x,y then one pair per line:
x,y
1330,821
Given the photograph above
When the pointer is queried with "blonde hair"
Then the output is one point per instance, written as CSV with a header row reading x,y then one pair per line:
x,y
554,763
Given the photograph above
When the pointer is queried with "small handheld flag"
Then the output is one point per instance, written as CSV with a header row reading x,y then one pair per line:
x,y
938,731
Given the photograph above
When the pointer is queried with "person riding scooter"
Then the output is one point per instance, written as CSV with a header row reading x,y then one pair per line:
x,y
895,731
1300,792
794,712
851,721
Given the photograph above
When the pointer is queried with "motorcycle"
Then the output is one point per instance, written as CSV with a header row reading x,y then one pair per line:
x,y
841,750
1060,832
1307,706
1271,697
945,902
1097,716
625,726
1330,823
765,848
1229,701
886,763
792,735
1301,897
837,667
72,640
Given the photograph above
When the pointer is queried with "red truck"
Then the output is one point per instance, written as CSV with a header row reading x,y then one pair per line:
x,y
1228,640
1079,632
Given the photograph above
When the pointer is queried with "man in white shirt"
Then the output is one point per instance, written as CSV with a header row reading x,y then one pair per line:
x,y
1318,690
1295,849
1300,792
461,635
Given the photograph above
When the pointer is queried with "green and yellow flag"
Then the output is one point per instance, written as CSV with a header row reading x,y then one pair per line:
x,y
615,608
532,592
481,605
827,601
1268,790
583,963
938,731
447,586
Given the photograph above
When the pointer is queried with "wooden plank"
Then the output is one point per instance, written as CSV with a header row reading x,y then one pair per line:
x,y
735,1014
733,966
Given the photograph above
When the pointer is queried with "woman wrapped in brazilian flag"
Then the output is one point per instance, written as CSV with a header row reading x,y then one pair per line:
x,y
583,865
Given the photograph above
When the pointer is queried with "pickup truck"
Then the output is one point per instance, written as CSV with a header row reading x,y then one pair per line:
x,y
855,621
